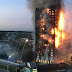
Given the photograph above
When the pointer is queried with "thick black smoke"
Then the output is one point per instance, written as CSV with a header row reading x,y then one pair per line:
x,y
33,4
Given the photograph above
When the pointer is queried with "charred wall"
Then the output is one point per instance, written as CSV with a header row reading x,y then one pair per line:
x,y
45,50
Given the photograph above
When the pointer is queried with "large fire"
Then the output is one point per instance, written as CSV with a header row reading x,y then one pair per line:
x,y
59,35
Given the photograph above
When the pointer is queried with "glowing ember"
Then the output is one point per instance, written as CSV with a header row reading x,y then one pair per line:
x,y
45,44
42,35
50,40
42,20
52,31
43,28
47,10
42,24
44,38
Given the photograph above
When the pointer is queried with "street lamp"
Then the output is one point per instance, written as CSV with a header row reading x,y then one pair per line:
x,y
9,58
26,41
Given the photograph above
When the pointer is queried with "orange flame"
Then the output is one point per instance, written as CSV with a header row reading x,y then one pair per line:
x,y
57,39
47,10
42,35
52,31
61,21
59,32
43,28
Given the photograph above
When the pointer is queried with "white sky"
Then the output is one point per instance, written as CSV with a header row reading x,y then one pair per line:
x,y
15,15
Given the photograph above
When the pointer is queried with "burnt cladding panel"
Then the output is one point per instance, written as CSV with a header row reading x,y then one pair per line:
x,y
52,21
37,26
37,14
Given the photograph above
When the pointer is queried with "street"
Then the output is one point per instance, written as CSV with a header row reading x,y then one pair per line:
x,y
47,71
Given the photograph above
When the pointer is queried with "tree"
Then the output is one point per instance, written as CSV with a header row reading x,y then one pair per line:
x,y
28,57
28,54
3,56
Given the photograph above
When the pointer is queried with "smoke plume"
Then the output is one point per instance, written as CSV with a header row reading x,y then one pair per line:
x,y
66,46
33,4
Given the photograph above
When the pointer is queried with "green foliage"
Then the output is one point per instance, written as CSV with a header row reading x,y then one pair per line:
x,y
28,54
14,41
2,34
3,56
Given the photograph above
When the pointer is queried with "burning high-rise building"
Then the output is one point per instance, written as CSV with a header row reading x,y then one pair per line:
x,y
46,32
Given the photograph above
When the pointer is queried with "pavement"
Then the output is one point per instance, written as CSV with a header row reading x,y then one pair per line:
x,y
47,71
69,70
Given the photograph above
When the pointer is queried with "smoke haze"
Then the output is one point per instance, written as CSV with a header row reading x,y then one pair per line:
x,y
66,45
